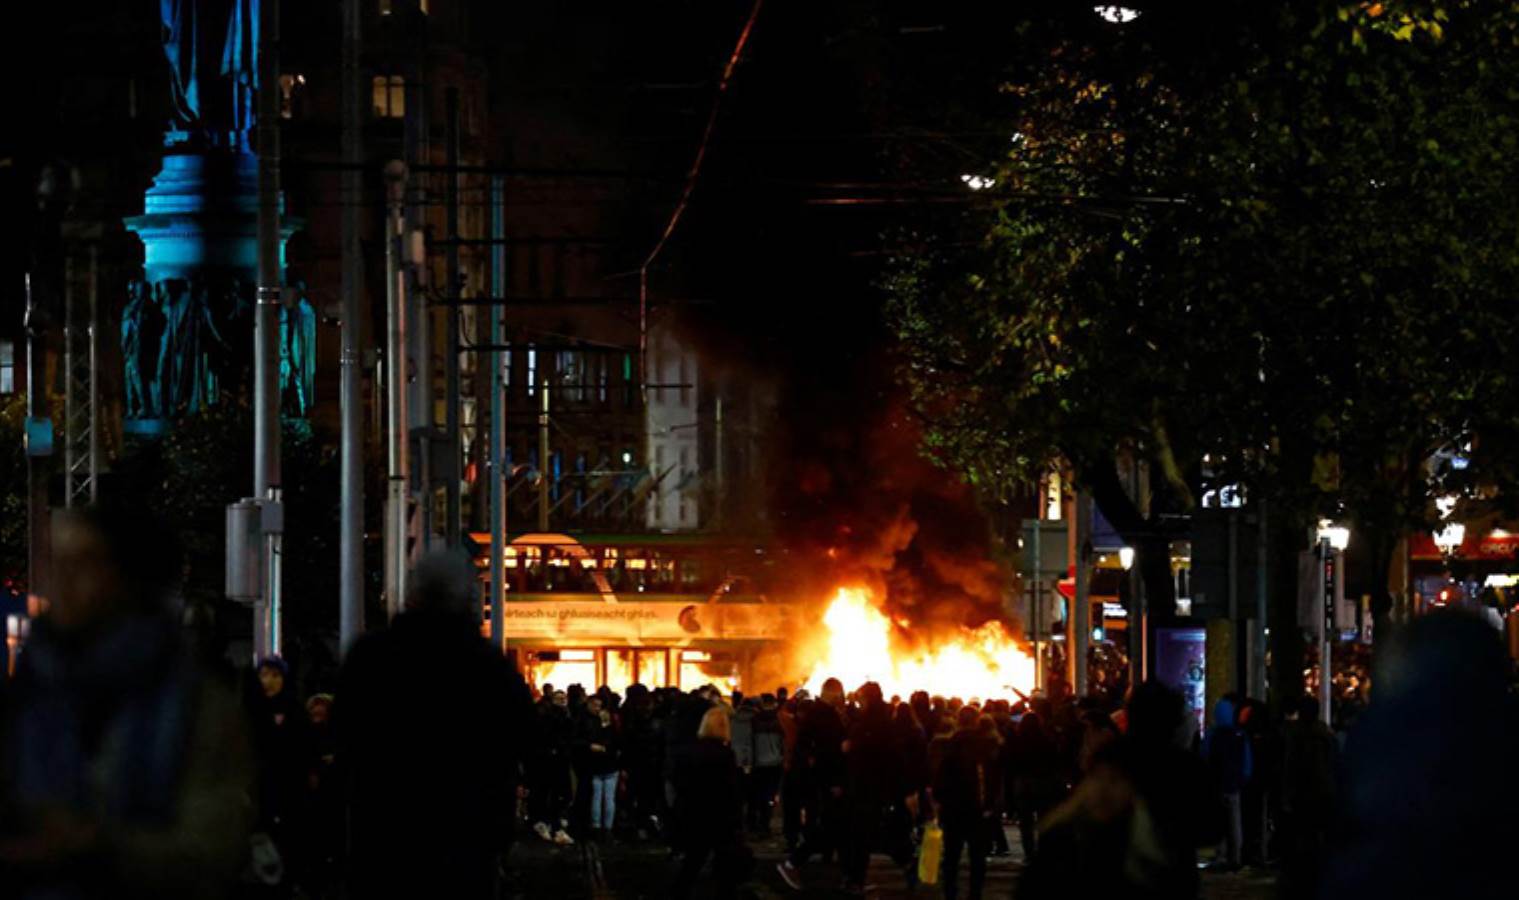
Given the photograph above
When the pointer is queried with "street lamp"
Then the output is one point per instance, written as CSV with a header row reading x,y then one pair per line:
x,y
1333,539
1337,536
1450,537
1118,15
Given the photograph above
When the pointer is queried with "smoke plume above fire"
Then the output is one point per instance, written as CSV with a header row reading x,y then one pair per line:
x,y
866,508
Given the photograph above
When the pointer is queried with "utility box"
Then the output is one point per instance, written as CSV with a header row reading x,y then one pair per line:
x,y
245,551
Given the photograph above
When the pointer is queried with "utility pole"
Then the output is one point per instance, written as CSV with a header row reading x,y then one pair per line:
x,y
396,460
496,472
1038,598
451,441
266,326
1081,607
1072,545
416,359
1258,628
39,445
722,486
351,515
1326,631
543,456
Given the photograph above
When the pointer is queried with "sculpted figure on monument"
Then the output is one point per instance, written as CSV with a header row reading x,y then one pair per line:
x,y
297,353
210,48
142,328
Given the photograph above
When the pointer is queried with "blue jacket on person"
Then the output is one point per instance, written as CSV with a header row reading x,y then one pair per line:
x,y
1227,750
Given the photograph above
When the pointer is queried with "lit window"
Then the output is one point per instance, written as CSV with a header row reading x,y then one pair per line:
x,y
7,367
389,97
532,369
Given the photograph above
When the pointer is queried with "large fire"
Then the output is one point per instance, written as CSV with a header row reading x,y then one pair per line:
x,y
860,645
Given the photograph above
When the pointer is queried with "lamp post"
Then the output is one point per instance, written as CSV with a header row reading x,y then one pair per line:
x,y
1450,535
1136,617
1333,539
1449,538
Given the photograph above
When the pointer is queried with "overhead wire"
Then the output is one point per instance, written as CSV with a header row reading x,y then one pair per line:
x,y
685,195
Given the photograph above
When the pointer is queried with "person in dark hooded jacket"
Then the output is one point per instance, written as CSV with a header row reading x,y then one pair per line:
x,y
430,720
769,757
1230,759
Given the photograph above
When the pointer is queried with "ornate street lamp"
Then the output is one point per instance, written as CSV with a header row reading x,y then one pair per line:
x,y
1333,539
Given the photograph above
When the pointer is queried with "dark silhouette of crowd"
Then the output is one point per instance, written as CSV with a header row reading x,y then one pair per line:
x,y
128,767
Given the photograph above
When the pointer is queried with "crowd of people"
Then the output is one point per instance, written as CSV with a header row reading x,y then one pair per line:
x,y
127,768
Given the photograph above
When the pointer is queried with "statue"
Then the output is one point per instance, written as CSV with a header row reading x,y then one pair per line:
x,y
298,354
210,348
137,380
211,48
174,299
178,17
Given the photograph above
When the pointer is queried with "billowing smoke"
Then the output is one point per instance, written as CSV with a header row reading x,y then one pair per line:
x,y
866,507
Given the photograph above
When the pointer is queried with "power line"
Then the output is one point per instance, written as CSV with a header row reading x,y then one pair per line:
x,y
685,196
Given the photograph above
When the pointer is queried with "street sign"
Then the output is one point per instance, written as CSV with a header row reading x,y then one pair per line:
x,y
1051,557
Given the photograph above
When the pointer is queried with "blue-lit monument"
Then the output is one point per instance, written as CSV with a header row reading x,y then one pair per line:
x,y
186,328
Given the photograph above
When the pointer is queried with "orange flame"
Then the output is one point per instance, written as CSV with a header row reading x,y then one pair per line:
x,y
859,646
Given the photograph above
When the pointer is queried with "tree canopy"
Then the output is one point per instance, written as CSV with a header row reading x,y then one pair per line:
x,y
1270,245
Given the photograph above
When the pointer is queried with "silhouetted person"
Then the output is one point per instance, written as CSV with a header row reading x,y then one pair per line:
x,y
1228,751
914,746
1034,765
430,718
641,752
879,799
1309,752
709,809
966,789
820,752
324,826
1431,794
549,767
285,760
769,758
124,770
602,749
1132,826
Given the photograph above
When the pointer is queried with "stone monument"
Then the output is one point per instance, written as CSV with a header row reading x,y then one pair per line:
x,y
187,325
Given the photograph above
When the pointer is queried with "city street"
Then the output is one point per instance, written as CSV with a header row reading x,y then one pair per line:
x,y
1098,416
640,869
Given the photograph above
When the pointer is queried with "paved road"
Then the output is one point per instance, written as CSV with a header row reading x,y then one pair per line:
x,y
638,869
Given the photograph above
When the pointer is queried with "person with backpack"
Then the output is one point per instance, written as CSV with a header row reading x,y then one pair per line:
x,y
769,757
